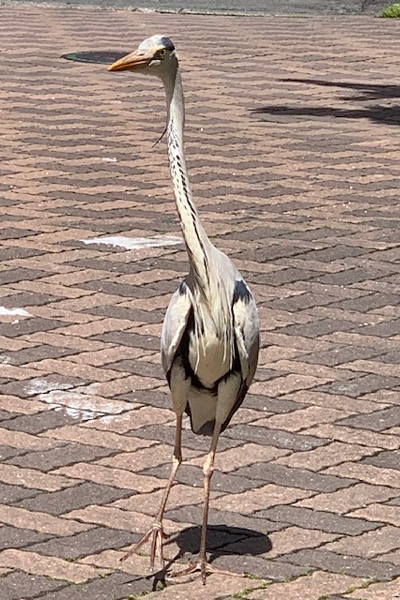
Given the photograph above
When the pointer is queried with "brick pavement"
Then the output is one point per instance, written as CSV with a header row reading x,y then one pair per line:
x,y
293,140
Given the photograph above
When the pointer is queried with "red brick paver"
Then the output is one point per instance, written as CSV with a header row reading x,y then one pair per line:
x,y
292,135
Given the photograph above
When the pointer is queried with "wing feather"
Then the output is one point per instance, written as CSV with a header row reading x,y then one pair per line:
x,y
247,338
246,327
175,322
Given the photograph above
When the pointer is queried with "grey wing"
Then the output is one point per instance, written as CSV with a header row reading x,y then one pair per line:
x,y
247,338
175,321
247,330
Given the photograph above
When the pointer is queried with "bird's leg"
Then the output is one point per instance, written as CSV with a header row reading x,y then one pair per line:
x,y
227,390
156,532
201,564
208,469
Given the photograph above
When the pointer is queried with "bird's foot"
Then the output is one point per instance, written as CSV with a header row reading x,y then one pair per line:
x,y
204,567
157,535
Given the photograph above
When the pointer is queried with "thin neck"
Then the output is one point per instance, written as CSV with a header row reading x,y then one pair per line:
x,y
197,243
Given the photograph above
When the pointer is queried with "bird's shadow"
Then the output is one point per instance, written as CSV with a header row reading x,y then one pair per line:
x,y
221,541
366,92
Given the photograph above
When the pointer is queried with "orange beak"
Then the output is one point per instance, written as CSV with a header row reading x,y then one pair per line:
x,y
131,61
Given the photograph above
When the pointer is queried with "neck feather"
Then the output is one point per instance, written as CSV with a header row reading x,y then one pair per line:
x,y
197,243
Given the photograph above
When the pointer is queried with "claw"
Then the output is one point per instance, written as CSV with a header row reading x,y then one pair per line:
x,y
204,567
157,535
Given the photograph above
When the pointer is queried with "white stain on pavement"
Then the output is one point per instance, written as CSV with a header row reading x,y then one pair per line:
x,y
14,312
81,403
74,404
42,386
128,243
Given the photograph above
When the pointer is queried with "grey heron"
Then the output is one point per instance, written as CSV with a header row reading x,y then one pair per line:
x,y
210,335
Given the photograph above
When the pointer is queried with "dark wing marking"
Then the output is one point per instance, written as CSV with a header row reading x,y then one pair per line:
x,y
241,292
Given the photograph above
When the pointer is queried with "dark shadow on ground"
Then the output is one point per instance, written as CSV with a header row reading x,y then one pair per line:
x,y
99,57
368,91
379,114
221,541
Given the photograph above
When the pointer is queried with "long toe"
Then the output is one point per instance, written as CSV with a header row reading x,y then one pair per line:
x,y
156,535
205,568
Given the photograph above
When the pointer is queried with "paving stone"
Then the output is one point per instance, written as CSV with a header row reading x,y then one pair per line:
x,y
17,537
18,585
28,326
41,385
394,502
7,416
344,500
94,540
317,328
117,586
154,398
336,597
14,252
187,474
360,436
48,419
275,405
314,585
265,569
15,275
7,452
37,353
60,457
274,437
377,421
14,493
194,442
387,513
351,565
77,496
389,328
232,459
130,339
369,544
316,519
296,538
340,355
246,525
386,591
367,473
331,454
300,478
360,386
388,459
131,366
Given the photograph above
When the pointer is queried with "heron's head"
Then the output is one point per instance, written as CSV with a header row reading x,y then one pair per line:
x,y
154,56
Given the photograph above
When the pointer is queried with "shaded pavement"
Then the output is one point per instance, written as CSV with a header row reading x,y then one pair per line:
x,y
293,136
238,7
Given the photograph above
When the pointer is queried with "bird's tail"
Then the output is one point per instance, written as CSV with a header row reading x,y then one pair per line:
x,y
201,409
